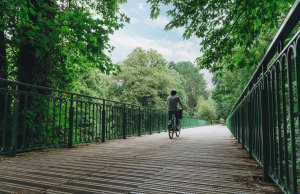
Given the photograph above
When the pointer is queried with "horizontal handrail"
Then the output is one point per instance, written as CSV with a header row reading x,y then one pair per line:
x,y
66,92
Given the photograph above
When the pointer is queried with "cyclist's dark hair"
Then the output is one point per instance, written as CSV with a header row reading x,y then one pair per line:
x,y
173,92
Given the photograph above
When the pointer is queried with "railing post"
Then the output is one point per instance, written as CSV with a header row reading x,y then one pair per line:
x,y
238,124
15,125
166,119
139,124
158,121
103,122
150,121
265,127
71,121
242,119
250,128
124,121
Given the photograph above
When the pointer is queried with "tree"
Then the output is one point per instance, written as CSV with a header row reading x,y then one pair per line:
x,y
230,85
223,26
3,62
195,85
180,83
92,82
206,110
228,89
145,79
52,40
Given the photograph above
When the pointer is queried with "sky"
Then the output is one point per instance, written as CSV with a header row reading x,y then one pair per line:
x,y
146,33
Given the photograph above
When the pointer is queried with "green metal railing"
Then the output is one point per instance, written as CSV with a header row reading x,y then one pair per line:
x,y
266,117
188,122
33,117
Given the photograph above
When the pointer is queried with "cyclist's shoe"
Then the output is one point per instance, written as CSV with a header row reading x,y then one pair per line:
x,y
177,128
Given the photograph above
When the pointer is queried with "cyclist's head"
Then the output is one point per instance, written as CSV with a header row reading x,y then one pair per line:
x,y
173,92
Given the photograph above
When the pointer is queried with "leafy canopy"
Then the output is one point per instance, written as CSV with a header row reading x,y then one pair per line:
x,y
145,79
49,41
222,25
206,109
195,85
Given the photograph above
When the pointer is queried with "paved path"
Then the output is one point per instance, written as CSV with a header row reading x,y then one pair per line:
x,y
202,160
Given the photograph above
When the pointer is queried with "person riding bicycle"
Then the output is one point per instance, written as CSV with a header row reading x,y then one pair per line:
x,y
172,103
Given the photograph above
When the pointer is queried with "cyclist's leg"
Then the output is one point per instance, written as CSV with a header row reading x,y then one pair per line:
x,y
170,117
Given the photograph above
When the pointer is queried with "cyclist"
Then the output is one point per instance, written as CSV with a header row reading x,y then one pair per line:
x,y
172,103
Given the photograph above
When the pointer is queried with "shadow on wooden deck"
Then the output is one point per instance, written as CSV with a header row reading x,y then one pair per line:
x,y
202,160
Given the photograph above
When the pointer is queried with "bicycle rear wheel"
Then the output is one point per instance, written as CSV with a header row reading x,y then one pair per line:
x,y
171,130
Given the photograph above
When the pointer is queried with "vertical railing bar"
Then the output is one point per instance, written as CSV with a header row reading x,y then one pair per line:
x,y
40,123
80,123
93,126
270,122
96,121
287,177
47,121
278,80
274,140
124,121
66,120
85,122
250,120
292,123
109,122
89,121
103,122
53,120
33,130
59,123
112,121
76,123
71,121
4,123
297,70
242,125
24,122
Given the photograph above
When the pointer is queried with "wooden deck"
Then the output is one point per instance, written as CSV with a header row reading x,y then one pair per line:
x,y
201,160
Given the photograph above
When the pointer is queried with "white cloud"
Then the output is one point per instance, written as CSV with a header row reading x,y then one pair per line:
x,y
173,51
141,6
180,30
160,22
134,20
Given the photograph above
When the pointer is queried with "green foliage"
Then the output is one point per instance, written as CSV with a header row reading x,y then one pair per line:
x,y
145,80
228,89
92,82
194,85
230,84
51,41
223,26
206,109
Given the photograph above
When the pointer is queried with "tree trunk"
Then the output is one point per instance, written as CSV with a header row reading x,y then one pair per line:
x,y
27,61
3,63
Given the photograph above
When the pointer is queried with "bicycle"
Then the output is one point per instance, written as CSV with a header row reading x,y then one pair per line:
x,y
172,128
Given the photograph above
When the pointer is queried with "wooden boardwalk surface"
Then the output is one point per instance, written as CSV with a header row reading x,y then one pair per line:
x,y
201,160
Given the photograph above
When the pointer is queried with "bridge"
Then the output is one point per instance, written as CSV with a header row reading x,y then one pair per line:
x,y
202,160
63,142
